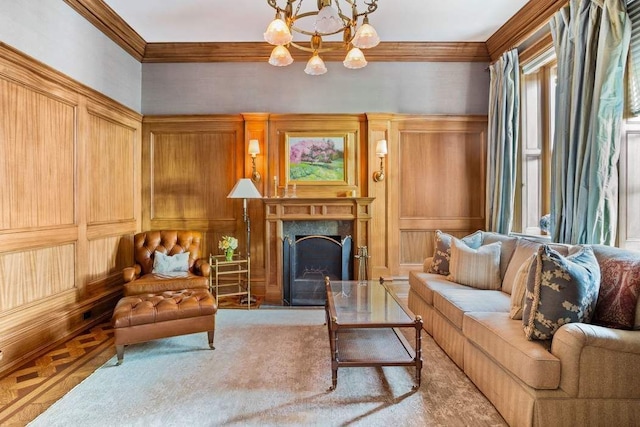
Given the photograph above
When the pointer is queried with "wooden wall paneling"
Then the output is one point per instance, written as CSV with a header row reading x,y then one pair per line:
x,y
46,135
190,163
438,163
379,127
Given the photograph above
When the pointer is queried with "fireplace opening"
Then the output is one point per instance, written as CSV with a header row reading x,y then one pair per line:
x,y
308,259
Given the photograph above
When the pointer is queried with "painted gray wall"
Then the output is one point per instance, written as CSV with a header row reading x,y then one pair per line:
x,y
55,34
227,88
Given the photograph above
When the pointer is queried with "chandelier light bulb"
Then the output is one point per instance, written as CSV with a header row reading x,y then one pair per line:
x,y
278,33
280,57
315,66
366,37
328,21
355,59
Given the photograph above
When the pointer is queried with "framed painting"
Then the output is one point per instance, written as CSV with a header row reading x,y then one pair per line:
x,y
317,158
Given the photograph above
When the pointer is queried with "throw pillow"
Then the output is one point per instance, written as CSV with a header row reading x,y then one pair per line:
x,y
519,288
442,253
506,251
524,251
163,263
619,288
560,290
478,268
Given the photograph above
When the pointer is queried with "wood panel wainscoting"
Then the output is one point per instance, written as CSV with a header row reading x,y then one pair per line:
x,y
70,204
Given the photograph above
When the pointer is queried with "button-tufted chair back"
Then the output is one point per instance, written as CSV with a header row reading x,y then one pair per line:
x,y
168,242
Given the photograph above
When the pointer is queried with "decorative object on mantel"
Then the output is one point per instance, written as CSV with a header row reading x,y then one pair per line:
x,y
254,150
381,151
228,244
244,189
327,21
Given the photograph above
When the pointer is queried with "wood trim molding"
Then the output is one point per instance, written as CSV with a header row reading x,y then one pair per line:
x,y
528,20
111,24
542,45
260,51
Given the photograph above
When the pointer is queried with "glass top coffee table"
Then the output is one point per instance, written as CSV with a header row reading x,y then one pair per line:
x,y
364,320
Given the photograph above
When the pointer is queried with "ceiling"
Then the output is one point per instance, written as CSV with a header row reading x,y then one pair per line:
x,y
246,20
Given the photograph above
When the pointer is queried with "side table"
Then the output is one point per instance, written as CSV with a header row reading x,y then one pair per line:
x,y
230,278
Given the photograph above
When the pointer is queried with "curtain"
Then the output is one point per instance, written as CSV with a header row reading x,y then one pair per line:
x,y
591,38
502,151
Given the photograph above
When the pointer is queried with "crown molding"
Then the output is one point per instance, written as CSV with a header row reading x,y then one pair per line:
x,y
529,19
111,24
260,51
525,22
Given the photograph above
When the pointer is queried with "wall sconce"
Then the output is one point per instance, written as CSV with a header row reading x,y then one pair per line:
x,y
254,150
381,151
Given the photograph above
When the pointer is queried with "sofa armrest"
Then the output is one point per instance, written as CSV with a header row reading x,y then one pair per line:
x,y
131,273
597,362
427,264
202,267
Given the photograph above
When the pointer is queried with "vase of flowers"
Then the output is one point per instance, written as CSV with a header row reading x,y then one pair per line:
x,y
228,244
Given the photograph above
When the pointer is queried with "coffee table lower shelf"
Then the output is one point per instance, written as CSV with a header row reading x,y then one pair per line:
x,y
371,347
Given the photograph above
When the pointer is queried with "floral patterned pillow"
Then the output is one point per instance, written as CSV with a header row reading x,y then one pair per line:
x,y
442,253
560,290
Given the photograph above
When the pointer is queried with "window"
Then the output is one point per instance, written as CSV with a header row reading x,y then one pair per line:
x,y
537,112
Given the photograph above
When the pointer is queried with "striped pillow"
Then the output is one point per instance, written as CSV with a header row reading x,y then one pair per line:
x,y
478,268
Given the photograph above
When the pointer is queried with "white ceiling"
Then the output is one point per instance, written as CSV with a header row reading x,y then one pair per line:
x,y
246,20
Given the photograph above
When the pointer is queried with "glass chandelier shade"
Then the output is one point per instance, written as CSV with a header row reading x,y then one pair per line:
x,y
338,18
278,33
280,57
355,59
315,66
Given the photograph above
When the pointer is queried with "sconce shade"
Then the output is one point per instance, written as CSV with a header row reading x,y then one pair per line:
x,y
381,148
244,189
366,37
254,147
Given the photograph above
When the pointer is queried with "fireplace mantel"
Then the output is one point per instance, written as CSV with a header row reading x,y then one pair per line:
x,y
278,210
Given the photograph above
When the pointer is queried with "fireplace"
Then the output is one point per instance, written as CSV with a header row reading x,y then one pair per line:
x,y
311,251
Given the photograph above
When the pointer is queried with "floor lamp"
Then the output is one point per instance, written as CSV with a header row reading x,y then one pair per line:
x,y
244,189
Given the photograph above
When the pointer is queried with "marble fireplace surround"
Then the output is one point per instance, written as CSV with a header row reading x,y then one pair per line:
x,y
352,213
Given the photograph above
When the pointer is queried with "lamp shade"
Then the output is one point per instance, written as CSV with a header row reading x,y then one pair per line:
x,y
244,189
355,59
366,37
254,147
278,33
315,66
280,57
381,148
328,21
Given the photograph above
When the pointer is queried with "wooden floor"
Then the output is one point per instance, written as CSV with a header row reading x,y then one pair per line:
x,y
33,387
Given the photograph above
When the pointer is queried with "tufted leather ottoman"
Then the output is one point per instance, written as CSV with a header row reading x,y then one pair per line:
x,y
147,317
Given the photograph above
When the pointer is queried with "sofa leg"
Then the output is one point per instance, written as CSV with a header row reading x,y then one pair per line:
x,y
120,353
210,336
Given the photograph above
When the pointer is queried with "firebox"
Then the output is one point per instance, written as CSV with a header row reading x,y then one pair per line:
x,y
308,259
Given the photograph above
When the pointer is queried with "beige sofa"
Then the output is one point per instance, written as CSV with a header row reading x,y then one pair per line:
x,y
585,375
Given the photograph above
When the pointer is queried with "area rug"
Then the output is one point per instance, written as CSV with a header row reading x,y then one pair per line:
x,y
269,367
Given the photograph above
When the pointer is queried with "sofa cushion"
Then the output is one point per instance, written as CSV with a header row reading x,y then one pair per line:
x,y
506,250
502,339
453,303
560,290
519,290
523,252
442,253
619,287
424,284
478,268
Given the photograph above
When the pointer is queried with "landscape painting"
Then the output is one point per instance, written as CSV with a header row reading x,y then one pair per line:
x,y
316,158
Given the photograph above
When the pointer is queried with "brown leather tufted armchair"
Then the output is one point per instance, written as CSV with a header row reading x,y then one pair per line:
x,y
140,279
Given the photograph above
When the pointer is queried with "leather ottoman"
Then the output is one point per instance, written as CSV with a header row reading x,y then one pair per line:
x,y
147,317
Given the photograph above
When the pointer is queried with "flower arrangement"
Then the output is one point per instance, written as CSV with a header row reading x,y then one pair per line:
x,y
228,244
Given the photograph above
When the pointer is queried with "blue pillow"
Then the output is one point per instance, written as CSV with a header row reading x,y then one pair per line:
x,y
560,290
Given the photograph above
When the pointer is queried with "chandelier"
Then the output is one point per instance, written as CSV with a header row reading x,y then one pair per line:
x,y
317,24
